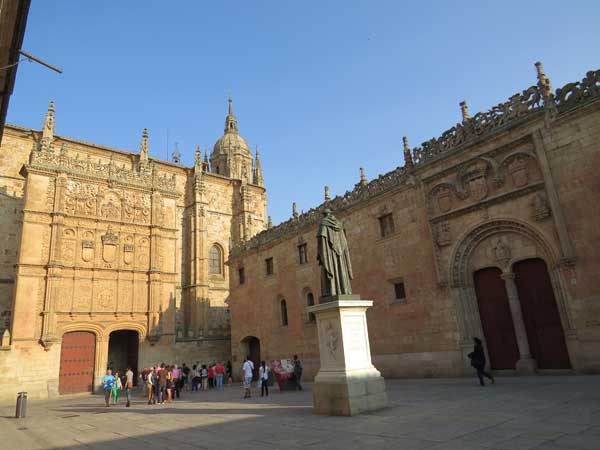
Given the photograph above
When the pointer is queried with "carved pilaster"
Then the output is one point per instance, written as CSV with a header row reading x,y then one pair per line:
x,y
566,246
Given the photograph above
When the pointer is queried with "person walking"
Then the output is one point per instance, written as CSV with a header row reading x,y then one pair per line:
x,y
128,386
108,381
247,369
478,361
263,376
117,386
219,373
177,380
297,372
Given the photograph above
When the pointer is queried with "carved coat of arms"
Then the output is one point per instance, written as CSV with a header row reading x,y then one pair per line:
x,y
518,171
444,199
110,245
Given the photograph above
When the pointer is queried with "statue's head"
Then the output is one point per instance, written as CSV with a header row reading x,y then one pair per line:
x,y
327,212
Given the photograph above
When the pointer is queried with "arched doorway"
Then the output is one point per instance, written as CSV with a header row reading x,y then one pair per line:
x,y
496,319
77,355
123,351
540,314
251,349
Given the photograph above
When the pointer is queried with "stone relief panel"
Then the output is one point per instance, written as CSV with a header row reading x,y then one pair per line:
x,y
105,298
82,298
500,250
64,301
128,251
69,246
478,180
88,246
80,198
143,253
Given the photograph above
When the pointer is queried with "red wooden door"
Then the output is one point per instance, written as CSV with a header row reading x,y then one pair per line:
x,y
77,356
496,319
540,314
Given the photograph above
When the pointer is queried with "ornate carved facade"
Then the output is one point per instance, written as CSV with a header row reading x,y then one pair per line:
x,y
111,240
488,208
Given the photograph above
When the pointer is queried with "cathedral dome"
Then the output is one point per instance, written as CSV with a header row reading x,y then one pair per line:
x,y
230,142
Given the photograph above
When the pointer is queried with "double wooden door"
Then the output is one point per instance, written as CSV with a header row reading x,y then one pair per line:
x,y
540,315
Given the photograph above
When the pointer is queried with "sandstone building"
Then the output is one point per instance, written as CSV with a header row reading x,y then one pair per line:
x,y
115,258
490,230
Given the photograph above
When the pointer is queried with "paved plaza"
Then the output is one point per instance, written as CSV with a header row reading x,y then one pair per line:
x,y
543,412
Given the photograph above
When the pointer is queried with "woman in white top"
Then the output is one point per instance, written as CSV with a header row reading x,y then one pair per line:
x,y
263,376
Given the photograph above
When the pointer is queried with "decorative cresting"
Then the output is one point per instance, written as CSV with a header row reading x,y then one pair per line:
x,y
518,108
45,157
459,273
531,101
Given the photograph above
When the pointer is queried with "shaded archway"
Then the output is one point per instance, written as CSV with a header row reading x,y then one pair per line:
x,y
123,349
251,349
77,361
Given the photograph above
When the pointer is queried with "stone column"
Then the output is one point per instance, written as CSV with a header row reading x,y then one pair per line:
x,y
526,364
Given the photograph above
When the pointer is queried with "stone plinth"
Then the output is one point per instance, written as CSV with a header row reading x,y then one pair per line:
x,y
347,382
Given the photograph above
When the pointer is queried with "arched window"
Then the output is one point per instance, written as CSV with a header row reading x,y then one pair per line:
x,y
284,315
310,301
215,264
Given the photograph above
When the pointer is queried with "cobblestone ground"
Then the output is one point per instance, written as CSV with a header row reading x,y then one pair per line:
x,y
544,413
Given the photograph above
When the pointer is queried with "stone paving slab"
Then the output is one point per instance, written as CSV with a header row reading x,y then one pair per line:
x,y
542,413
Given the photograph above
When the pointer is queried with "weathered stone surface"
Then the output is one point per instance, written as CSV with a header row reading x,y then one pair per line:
x,y
505,186
104,240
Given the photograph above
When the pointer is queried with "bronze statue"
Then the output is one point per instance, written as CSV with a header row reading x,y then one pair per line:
x,y
333,257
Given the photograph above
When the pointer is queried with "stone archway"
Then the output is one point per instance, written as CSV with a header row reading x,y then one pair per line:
x,y
500,243
250,347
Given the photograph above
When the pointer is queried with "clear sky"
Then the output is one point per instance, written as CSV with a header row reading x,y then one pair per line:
x,y
322,87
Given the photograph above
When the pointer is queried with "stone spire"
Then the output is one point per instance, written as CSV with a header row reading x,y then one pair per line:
x,y
176,156
48,130
230,120
545,88
327,194
294,210
269,222
198,159
464,109
144,149
363,177
408,162
257,176
205,165
543,81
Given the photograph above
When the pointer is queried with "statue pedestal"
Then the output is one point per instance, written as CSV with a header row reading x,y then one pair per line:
x,y
347,383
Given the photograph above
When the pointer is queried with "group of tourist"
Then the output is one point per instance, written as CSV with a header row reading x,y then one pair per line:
x,y
164,383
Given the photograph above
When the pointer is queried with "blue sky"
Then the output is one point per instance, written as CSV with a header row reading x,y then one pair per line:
x,y
322,88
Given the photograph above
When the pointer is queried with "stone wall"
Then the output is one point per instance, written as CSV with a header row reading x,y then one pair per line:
x,y
105,240
511,184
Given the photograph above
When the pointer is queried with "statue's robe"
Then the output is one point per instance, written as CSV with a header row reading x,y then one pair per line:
x,y
333,256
